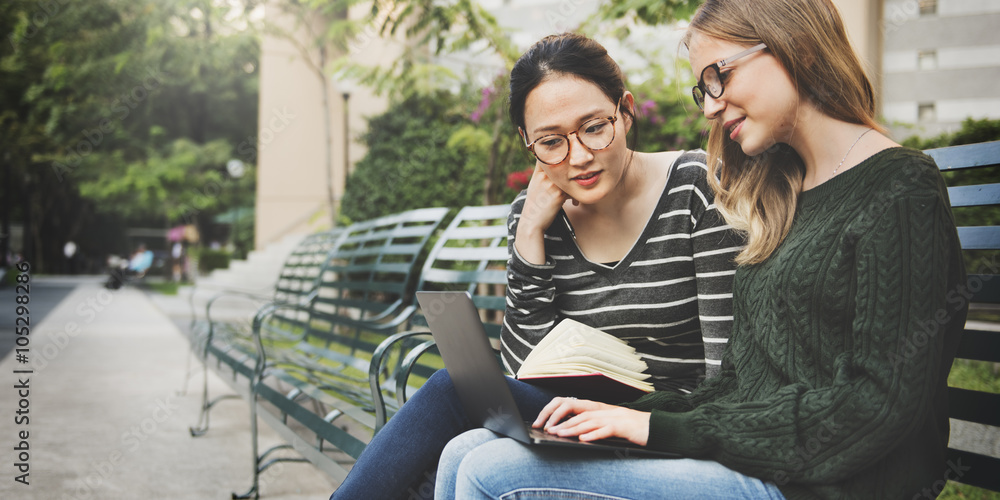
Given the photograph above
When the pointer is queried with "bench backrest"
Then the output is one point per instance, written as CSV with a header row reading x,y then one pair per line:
x,y
981,243
300,273
369,275
469,255
299,277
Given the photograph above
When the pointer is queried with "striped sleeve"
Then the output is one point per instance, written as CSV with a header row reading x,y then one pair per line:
x,y
715,245
530,312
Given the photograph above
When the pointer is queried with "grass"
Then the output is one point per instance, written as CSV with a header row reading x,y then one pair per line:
x,y
955,491
975,375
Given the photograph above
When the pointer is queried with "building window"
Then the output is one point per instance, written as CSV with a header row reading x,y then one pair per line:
x,y
926,112
928,7
927,60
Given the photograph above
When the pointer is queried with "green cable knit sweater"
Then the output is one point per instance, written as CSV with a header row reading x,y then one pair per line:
x,y
833,382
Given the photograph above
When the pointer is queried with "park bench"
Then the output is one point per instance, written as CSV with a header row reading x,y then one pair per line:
x,y
229,341
328,393
323,344
981,243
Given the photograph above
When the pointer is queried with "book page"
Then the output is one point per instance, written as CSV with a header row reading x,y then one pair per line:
x,y
574,348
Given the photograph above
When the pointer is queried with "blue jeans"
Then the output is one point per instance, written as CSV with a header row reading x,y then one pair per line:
x,y
399,461
479,464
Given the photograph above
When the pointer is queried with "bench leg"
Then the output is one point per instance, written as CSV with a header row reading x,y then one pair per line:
x,y
254,491
206,407
262,466
201,427
251,493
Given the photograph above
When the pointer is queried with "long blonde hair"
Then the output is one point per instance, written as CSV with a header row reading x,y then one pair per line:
x,y
758,195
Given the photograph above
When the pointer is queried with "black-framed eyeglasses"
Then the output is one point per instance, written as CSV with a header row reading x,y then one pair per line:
x,y
711,82
595,135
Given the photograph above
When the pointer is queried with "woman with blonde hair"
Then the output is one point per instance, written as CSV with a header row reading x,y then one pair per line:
x,y
833,383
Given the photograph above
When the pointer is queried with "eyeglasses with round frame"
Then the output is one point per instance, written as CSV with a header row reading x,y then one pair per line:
x,y
711,82
595,135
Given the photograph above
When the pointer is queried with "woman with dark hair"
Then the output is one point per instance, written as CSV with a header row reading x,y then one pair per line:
x,y
830,387
623,241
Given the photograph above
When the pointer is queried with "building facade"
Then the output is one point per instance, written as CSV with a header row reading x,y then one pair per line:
x,y
941,64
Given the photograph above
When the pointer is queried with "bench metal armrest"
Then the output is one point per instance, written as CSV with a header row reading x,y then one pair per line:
x,y
268,309
403,375
217,294
375,368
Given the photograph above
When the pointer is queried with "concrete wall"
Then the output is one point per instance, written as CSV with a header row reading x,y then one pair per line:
x,y
293,179
863,19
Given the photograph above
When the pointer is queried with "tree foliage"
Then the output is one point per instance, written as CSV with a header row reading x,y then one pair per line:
x,y
430,29
114,109
665,114
651,12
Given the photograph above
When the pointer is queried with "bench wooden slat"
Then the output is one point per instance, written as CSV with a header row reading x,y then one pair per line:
x,y
478,232
333,306
974,196
473,253
337,272
487,212
498,277
979,345
984,154
974,469
979,237
359,286
490,302
974,406
374,251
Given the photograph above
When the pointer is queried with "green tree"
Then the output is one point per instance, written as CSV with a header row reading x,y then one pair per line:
x,y
120,111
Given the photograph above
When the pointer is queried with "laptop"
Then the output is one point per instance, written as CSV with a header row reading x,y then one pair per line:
x,y
480,382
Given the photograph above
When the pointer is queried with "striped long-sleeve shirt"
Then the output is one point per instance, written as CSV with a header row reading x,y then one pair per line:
x,y
670,297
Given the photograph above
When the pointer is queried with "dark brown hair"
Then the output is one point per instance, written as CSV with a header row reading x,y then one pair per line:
x,y
565,54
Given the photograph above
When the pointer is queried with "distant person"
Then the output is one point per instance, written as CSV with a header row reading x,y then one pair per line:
x,y
140,262
135,267
177,261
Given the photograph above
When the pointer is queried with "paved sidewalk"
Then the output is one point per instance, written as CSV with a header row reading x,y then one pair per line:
x,y
109,414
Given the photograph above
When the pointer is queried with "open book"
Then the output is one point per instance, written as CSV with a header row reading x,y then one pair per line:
x,y
581,361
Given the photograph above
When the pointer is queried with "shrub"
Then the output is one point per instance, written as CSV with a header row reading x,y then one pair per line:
x,y
210,260
410,163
